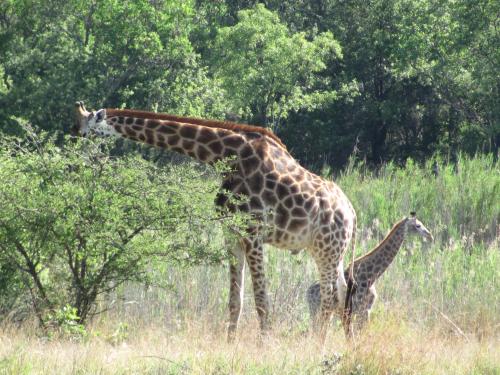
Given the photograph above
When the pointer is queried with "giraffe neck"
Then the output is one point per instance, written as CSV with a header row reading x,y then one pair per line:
x,y
204,140
375,263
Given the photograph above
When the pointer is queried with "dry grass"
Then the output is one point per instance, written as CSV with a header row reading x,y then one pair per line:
x,y
391,346
415,329
425,322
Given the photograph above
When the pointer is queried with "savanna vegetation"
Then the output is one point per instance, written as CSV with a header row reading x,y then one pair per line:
x,y
112,255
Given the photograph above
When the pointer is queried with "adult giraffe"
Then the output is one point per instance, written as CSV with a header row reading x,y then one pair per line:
x,y
294,208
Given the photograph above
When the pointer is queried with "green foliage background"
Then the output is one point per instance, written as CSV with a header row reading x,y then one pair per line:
x,y
390,79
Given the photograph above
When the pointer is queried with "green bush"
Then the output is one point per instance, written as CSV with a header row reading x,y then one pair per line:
x,y
66,321
76,223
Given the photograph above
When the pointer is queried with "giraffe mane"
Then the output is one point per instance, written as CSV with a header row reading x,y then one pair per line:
x,y
196,121
386,238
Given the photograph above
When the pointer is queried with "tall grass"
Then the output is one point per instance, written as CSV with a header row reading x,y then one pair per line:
x,y
461,200
389,347
438,310
457,277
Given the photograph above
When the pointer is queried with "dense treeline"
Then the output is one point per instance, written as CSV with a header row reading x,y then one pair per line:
x,y
387,79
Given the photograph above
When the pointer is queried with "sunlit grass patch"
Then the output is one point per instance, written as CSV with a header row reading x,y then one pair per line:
x,y
391,345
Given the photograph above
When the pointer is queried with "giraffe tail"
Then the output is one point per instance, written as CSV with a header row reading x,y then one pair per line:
x,y
351,287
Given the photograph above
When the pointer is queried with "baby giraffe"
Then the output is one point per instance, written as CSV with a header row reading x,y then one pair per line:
x,y
368,268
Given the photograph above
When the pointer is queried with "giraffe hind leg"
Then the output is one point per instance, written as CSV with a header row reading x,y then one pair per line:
x,y
328,300
349,307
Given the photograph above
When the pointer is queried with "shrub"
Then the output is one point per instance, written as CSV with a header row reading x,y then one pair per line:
x,y
76,223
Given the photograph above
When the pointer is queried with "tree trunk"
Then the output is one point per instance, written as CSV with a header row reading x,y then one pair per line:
x,y
378,137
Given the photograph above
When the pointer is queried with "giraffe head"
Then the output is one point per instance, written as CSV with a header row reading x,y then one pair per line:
x,y
94,121
415,226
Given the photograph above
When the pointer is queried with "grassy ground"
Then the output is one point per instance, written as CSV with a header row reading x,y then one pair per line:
x,y
453,328
438,310
391,346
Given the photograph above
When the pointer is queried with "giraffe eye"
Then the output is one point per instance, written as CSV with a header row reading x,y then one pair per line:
x,y
418,225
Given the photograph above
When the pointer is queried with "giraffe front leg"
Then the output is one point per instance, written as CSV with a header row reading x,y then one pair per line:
x,y
360,321
314,301
255,258
236,289
362,308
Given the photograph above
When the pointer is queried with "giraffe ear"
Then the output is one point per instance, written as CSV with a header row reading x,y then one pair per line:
x,y
100,115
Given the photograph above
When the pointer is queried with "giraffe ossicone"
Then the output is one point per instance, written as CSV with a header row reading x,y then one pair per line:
x,y
368,269
295,209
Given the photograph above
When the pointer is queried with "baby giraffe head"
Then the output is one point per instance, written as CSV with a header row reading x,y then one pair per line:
x,y
415,226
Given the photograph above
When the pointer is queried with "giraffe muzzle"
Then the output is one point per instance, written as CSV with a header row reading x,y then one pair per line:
x,y
81,117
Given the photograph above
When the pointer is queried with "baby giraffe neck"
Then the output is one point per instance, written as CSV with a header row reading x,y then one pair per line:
x,y
374,264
